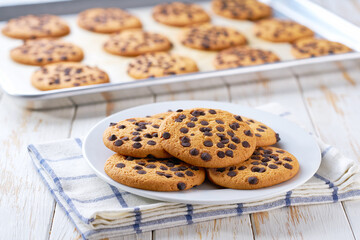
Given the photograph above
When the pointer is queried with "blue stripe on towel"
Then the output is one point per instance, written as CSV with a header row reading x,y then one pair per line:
x,y
119,196
239,209
323,153
79,142
137,220
287,198
189,213
331,185
77,177
65,159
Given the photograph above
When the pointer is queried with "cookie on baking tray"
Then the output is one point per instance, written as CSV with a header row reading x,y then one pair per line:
x,y
241,9
265,136
154,174
136,137
243,56
107,20
36,26
279,30
207,137
136,42
67,74
211,37
160,64
314,47
267,166
43,51
180,14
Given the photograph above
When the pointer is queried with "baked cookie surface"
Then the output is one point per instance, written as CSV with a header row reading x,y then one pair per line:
x,y
211,37
279,30
136,42
267,166
136,137
265,136
107,20
162,115
207,137
66,75
160,64
154,174
313,47
241,9
180,14
44,51
36,26
243,56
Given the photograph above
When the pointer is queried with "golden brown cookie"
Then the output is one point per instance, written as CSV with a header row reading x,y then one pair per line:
x,y
207,137
44,51
154,174
243,56
136,137
241,9
279,30
136,42
314,47
163,115
210,37
267,166
32,26
107,20
264,135
160,64
67,74
180,14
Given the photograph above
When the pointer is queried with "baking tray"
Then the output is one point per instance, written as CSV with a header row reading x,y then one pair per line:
x,y
15,78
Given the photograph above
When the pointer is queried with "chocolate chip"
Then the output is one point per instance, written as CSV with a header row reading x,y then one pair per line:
x,y
121,126
255,157
232,174
235,139
150,166
190,124
163,168
148,135
120,165
184,130
272,166
288,166
220,169
205,129
166,135
112,124
267,151
248,133
131,120
220,129
137,145
170,164
185,141
220,154
151,142
277,137
141,163
112,138
189,173
258,135
135,133
118,143
230,133
136,139
181,186
208,143
129,158
138,167
194,152
211,111
206,156
205,123
160,173
220,145
194,119
194,168
278,162
141,172
262,126
234,126
180,174
287,159
179,110
155,126
253,180
168,175
242,168
232,146
280,151
245,144
174,169
209,134
225,141
237,117
155,135
229,153
219,121
255,163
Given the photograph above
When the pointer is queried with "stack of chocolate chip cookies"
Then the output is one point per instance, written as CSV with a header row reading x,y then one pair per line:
x,y
175,151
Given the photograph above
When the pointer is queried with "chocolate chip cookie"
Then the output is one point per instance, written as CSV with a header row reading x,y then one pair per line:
x,y
107,20
243,56
65,75
207,137
211,37
180,14
279,30
136,42
136,137
154,174
266,167
36,26
160,64
44,51
241,9
264,135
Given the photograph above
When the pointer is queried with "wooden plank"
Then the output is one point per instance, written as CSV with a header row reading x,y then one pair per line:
x,y
26,205
286,92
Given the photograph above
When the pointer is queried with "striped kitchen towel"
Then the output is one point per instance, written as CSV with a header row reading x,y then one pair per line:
x,y
99,210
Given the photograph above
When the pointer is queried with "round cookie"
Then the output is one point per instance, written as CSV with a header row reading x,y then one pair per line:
x,y
241,9
267,166
136,137
36,26
279,30
180,14
264,135
243,56
67,74
313,47
207,137
154,174
136,42
210,37
160,64
44,51
107,20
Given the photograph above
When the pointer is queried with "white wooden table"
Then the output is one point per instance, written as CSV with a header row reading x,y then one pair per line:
x,y
328,103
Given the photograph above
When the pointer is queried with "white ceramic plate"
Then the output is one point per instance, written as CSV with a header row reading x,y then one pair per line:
x,y
293,139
